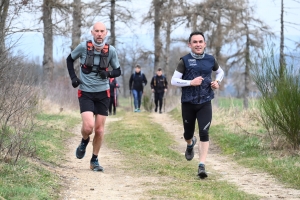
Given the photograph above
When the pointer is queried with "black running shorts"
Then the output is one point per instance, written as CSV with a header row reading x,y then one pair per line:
x,y
96,102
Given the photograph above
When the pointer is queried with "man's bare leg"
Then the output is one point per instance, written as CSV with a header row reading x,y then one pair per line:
x,y
86,131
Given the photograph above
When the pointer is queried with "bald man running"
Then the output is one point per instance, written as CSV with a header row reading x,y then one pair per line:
x,y
93,92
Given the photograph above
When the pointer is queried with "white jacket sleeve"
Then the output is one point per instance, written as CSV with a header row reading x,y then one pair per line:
x,y
178,81
219,74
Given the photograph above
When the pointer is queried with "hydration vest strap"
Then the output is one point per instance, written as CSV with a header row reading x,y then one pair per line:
x,y
89,60
104,57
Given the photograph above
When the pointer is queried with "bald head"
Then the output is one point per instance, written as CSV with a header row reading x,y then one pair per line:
x,y
99,32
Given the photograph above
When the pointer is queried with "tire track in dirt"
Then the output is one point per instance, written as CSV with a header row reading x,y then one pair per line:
x,y
247,180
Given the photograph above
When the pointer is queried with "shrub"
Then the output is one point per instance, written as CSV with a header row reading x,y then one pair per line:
x,y
280,98
18,103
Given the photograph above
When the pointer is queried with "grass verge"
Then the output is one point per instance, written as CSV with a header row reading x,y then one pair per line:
x,y
250,151
30,179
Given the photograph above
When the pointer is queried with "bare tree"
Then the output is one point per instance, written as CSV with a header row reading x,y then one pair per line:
x,y
76,29
118,13
4,5
282,56
77,25
155,15
229,19
112,22
157,27
171,21
49,27
48,40
164,20
9,12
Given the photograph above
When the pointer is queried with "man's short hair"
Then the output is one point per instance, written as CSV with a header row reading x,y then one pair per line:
x,y
159,69
138,66
196,33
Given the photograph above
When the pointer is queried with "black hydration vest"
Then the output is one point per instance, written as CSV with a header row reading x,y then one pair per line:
x,y
88,65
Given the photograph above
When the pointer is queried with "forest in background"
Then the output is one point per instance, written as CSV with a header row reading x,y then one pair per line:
x,y
233,35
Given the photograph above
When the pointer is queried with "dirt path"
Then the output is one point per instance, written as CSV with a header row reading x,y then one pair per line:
x,y
115,183
247,180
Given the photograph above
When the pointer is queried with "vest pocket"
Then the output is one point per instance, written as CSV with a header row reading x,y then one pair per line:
x,y
85,69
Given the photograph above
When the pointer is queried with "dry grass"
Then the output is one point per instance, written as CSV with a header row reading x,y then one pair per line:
x,y
247,122
238,121
50,107
62,95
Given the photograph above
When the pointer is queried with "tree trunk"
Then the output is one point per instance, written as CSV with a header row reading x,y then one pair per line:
x,y
194,22
157,27
4,5
168,44
168,38
112,22
218,47
281,59
48,65
76,30
247,70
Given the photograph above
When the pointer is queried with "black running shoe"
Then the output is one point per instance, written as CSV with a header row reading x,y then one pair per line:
x,y
80,151
95,166
189,152
201,171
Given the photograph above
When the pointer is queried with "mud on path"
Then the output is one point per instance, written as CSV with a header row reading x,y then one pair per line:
x,y
115,183
247,180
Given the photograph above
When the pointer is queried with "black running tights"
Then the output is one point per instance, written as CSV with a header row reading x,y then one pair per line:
x,y
203,114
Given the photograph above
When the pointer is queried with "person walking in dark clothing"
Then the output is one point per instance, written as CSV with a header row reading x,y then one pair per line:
x,y
113,95
159,86
137,82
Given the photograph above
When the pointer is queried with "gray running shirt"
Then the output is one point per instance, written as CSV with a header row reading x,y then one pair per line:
x,y
91,82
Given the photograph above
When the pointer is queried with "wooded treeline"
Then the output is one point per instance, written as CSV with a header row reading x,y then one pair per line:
x,y
233,34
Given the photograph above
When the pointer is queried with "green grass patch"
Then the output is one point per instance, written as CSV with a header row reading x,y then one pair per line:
x,y
28,179
148,150
51,134
237,103
251,152
230,102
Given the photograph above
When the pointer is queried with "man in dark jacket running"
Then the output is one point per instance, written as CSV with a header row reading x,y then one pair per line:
x,y
159,86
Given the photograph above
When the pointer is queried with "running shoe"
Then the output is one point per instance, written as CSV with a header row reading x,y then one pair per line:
x,y
201,171
189,152
95,166
80,151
